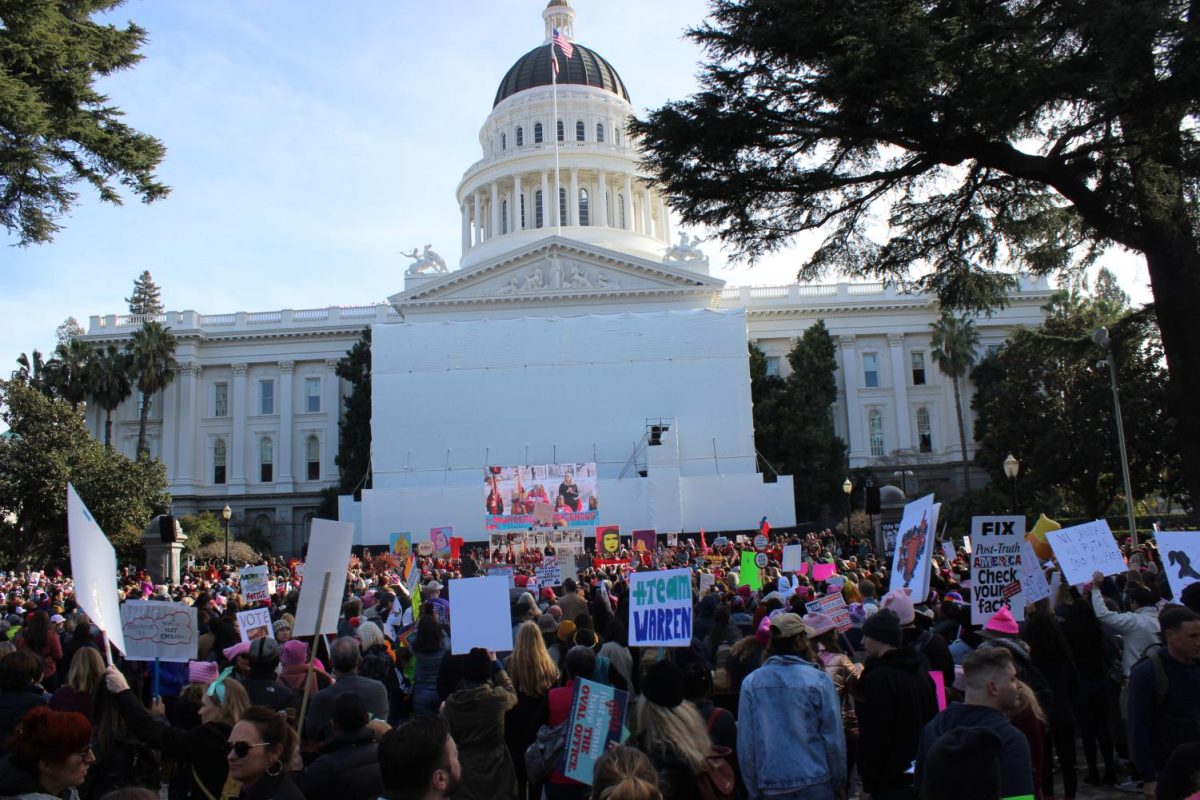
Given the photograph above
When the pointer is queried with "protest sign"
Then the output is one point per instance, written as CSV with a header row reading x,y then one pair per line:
x,y
596,719
503,572
424,548
660,608
159,631
608,540
94,567
400,544
707,581
761,560
672,540
328,552
440,539
549,573
995,564
966,544
644,541
1180,550
889,530
833,606
255,624
1084,549
948,551
793,557
749,573
1033,580
479,607
254,583
823,572
914,548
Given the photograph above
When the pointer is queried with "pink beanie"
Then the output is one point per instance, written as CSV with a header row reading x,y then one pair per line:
x,y
900,602
818,623
202,671
1002,622
231,653
763,634
294,652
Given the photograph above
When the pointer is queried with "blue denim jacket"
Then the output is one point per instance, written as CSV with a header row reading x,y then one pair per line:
x,y
790,735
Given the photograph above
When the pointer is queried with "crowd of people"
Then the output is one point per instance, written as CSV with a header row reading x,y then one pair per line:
x,y
902,697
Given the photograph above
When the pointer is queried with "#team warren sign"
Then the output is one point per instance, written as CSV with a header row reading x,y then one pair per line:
x,y
660,608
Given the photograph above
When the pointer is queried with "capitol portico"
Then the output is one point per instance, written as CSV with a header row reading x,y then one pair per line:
x,y
252,417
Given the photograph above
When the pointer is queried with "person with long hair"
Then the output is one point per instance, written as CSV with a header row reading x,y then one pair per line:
x,y
81,636
533,674
48,755
430,646
624,773
202,768
84,678
39,638
20,690
259,750
671,731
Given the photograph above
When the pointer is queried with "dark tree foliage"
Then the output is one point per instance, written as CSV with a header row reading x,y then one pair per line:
x,y
793,425
56,130
354,430
989,137
1068,451
146,297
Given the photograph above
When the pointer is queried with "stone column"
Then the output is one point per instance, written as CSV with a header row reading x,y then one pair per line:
x,y
602,206
237,444
546,204
167,402
573,199
495,210
900,390
333,405
628,202
854,434
284,476
466,228
516,204
648,212
184,471
478,218
665,210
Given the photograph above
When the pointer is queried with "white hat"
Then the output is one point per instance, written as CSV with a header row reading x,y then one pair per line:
x,y
58,619
432,586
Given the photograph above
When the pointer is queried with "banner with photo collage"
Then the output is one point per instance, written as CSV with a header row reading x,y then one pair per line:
x,y
514,495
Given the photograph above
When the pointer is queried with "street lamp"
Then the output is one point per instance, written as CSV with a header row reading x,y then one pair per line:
x,y
847,487
226,513
903,475
1100,338
1011,468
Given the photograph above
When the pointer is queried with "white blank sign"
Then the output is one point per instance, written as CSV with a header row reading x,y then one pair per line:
x,y
479,615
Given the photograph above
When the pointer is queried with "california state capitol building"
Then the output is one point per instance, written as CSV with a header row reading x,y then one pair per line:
x,y
565,332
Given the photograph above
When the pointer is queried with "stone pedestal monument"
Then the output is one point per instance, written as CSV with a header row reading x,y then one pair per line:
x,y
163,558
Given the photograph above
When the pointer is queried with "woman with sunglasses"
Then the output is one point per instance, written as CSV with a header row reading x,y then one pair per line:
x,y
260,748
48,755
202,766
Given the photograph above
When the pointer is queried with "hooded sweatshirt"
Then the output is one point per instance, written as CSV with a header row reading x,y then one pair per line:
x,y
896,701
1016,766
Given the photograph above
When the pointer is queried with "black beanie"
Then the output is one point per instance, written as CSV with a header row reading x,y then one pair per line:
x,y
663,684
960,752
883,626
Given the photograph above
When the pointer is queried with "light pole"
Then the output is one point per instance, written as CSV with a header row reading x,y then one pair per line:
x,y
847,488
226,513
903,475
1011,468
1100,337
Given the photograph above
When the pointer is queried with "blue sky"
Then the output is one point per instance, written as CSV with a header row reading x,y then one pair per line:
x,y
308,143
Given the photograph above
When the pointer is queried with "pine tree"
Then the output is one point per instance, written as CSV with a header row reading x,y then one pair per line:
x,y
69,331
146,296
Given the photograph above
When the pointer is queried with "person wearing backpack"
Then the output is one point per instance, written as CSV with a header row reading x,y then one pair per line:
x,y
1164,695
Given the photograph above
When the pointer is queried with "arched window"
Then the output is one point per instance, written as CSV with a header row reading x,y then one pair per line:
x,y
219,461
537,133
875,423
504,215
537,209
520,137
583,207
600,132
559,127
266,460
503,141
312,457
580,131
924,431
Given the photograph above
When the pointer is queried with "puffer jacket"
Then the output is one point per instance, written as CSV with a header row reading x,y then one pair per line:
x,y
476,717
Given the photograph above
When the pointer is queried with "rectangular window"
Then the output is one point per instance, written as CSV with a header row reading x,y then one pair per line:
x,y
993,349
870,370
918,368
773,365
266,397
268,473
221,400
312,395
219,473
314,470
875,421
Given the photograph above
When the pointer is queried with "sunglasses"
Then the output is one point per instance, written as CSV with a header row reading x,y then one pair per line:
x,y
242,749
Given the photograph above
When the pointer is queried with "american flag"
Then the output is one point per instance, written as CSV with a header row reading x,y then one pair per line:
x,y
567,48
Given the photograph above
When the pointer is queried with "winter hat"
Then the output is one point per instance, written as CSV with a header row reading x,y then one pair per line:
x,y
858,614
520,580
231,653
565,629
900,602
953,597
546,624
817,623
763,632
883,627
663,684
963,751
202,672
555,611
294,652
1001,624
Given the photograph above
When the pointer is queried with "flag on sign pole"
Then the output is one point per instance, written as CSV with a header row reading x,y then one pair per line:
x,y
553,62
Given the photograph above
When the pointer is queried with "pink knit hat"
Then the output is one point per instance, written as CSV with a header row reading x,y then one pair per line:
x,y
202,672
763,634
818,623
238,649
294,652
900,602
1001,624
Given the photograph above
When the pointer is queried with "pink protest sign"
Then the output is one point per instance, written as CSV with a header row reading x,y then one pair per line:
x,y
823,572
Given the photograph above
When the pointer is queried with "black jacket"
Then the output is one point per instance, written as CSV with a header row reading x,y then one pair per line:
x,y
278,788
15,781
16,704
1016,765
347,768
896,701
267,690
200,750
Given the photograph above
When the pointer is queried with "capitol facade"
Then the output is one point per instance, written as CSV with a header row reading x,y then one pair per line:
x,y
568,251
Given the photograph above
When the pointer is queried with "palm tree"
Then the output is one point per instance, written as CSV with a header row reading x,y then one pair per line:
x,y
68,373
153,365
110,384
31,371
955,341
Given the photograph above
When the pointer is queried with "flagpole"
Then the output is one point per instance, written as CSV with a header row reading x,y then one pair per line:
x,y
554,84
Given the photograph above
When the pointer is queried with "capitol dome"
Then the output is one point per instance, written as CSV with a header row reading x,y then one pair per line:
x,y
586,67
